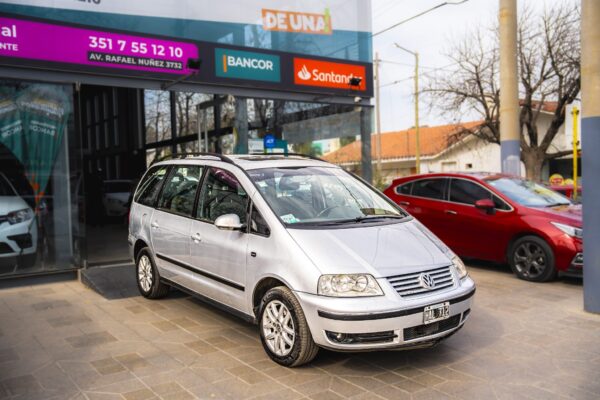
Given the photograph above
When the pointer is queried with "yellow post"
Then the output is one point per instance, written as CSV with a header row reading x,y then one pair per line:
x,y
575,113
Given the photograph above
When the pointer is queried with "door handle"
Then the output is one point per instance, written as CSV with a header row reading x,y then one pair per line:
x,y
196,237
404,203
451,212
154,225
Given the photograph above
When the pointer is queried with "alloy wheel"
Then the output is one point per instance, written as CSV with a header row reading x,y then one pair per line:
x,y
145,273
278,328
530,260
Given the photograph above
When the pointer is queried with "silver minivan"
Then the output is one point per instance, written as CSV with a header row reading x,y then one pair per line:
x,y
312,254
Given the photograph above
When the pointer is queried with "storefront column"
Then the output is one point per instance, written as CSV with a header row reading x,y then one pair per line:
x,y
62,214
241,125
365,139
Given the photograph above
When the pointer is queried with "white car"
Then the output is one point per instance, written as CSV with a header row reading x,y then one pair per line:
x,y
116,197
18,230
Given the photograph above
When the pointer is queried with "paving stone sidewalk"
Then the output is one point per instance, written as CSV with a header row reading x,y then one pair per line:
x,y
62,340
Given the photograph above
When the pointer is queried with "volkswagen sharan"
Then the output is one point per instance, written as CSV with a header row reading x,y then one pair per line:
x,y
313,255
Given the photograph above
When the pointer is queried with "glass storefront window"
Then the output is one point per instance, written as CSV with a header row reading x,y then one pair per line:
x,y
39,214
157,112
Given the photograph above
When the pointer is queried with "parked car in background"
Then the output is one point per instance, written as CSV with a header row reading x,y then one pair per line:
x,y
499,218
313,255
116,197
568,191
18,229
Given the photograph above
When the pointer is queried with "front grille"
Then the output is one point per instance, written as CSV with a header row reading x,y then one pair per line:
x,y
5,248
420,331
408,285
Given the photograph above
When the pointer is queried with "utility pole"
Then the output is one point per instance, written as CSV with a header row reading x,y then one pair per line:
x,y
575,113
510,137
417,135
378,115
590,137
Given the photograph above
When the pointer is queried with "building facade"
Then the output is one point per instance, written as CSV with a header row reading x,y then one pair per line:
x,y
93,92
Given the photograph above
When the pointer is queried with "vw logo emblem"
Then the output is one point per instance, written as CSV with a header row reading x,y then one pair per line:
x,y
426,281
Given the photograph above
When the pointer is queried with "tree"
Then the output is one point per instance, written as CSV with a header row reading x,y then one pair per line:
x,y
549,71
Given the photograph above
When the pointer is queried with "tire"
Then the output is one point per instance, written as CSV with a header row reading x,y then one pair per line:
x,y
147,277
532,259
278,303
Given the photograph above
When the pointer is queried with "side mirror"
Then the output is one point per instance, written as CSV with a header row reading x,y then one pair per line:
x,y
229,222
486,205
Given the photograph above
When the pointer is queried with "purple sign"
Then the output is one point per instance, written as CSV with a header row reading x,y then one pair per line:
x,y
63,44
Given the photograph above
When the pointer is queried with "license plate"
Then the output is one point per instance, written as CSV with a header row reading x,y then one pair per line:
x,y
436,312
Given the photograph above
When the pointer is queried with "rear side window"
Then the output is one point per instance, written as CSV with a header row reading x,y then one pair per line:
x,y
222,194
430,188
150,187
404,189
179,193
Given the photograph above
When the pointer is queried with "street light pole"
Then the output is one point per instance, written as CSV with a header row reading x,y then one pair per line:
x,y
417,134
377,115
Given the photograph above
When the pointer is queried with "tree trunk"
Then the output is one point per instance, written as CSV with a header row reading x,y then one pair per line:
x,y
534,162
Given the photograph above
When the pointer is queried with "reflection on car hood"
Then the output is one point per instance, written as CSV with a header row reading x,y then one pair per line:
x,y
570,214
11,203
381,250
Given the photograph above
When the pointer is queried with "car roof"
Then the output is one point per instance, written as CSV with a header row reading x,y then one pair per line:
x,y
254,161
481,175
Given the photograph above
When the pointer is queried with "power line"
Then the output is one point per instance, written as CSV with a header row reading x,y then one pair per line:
x,y
446,3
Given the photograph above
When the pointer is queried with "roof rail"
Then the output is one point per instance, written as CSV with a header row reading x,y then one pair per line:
x,y
288,154
197,154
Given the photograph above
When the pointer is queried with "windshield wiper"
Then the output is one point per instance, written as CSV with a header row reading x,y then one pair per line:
x,y
373,217
556,204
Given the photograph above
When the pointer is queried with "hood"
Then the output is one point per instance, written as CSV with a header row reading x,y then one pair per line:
x,y
383,250
569,214
11,203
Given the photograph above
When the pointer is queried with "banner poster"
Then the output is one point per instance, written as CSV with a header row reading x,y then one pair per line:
x,y
38,124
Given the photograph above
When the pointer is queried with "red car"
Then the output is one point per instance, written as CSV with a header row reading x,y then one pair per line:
x,y
500,218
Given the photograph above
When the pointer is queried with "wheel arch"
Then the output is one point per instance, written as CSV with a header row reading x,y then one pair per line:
x,y
262,287
139,245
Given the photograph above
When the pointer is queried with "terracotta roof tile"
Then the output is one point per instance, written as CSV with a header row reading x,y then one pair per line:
x,y
401,144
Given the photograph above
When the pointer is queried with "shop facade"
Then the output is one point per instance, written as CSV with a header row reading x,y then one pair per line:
x,y
93,92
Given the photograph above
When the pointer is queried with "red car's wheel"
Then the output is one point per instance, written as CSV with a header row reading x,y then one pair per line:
x,y
531,259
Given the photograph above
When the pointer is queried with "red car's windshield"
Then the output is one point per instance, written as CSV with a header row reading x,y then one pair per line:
x,y
527,193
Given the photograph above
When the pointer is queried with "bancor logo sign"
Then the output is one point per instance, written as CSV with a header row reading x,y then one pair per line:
x,y
247,65
290,21
328,74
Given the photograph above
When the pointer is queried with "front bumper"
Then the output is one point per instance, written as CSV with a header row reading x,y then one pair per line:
x,y
18,239
386,322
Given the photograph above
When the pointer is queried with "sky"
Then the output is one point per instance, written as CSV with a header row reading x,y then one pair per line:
x,y
430,35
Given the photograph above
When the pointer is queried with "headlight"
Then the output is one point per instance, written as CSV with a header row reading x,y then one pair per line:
x,y
352,285
460,266
569,230
16,217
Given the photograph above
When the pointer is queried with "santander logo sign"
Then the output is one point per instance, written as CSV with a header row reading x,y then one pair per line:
x,y
328,74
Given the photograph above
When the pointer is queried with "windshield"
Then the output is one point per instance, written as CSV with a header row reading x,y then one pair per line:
x,y
318,195
5,187
527,193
